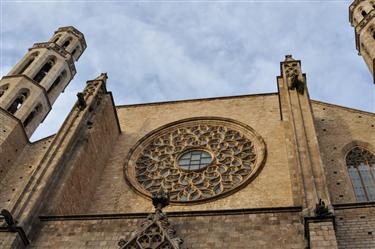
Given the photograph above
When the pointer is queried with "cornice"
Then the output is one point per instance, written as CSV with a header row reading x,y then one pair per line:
x,y
195,100
242,211
75,32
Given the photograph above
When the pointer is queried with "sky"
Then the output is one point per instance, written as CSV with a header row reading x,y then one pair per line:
x,y
172,50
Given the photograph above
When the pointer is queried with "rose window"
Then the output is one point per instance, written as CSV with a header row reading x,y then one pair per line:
x,y
196,159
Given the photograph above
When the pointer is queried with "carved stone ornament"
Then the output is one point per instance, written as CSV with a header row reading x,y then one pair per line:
x,y
237,151
292,73
156,232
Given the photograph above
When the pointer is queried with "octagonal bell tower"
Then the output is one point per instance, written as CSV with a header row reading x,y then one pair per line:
x,y
362,18
32,86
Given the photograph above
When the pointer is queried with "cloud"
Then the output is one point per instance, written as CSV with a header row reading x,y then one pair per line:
x,y
179,50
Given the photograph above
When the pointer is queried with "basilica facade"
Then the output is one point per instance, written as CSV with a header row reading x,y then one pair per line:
x,y
276,170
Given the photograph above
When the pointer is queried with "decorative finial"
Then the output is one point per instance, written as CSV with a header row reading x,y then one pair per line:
x,y
102,76
289,57
160,199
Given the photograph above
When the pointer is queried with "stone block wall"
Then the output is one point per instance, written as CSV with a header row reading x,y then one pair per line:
x,y
261,112
355,226
339,129
241,231
84,165
322,235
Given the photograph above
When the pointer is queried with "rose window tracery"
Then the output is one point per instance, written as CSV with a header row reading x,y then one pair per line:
x,y
195,160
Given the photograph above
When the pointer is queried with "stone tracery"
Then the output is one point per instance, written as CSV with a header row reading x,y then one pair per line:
x,y
237,153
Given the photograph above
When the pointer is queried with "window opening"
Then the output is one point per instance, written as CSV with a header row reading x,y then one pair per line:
x,y
56,38
3,89
17,103
66,43
194,160
32,114
44,71
28,63
57,81
361,168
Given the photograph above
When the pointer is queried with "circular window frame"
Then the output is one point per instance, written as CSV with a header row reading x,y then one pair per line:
x,y
191,150
137,149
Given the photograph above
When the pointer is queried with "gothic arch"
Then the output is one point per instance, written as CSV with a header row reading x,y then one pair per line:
x,y
18,100
360,165
43,71
28,62
3,89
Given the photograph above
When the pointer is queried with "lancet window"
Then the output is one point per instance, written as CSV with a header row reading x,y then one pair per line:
x,y
56,38
3,89
66,43
44,70
32,115
361,168
57,81
28,63
18,101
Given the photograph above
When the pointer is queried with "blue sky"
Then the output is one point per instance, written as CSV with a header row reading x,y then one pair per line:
x,y
172,50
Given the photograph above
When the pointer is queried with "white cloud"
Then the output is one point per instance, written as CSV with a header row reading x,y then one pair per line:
x,y
179,50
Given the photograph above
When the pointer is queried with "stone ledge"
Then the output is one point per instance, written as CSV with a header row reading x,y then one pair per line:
x,y
293,209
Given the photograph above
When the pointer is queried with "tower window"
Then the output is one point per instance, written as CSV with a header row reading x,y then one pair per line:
x,y
56,38
32,114
75,51
28,63
3,89
20,99
364,13
66,43
361,168
57,81
44,71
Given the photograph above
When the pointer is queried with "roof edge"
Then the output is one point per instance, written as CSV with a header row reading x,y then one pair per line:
x,y
196,100
343,107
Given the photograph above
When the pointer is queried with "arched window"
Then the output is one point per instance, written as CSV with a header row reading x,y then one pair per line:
x,y
3,89
75,51
364,13
57,81
56,38
66,43
18,101
32,114
28,63
44,71
361,168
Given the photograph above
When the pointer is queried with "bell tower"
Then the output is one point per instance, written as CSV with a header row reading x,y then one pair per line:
x,y
28,91
362,18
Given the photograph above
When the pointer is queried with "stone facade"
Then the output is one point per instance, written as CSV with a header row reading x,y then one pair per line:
x,y
278,175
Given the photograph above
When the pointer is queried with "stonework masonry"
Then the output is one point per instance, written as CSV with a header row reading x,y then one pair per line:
x,y
73,190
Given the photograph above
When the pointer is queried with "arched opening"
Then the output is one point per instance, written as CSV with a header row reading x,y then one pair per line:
x,y
32,114
361,168
3,89
28,63
44,71
57,81
56,38
67,43
364,13
75,51
18,101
